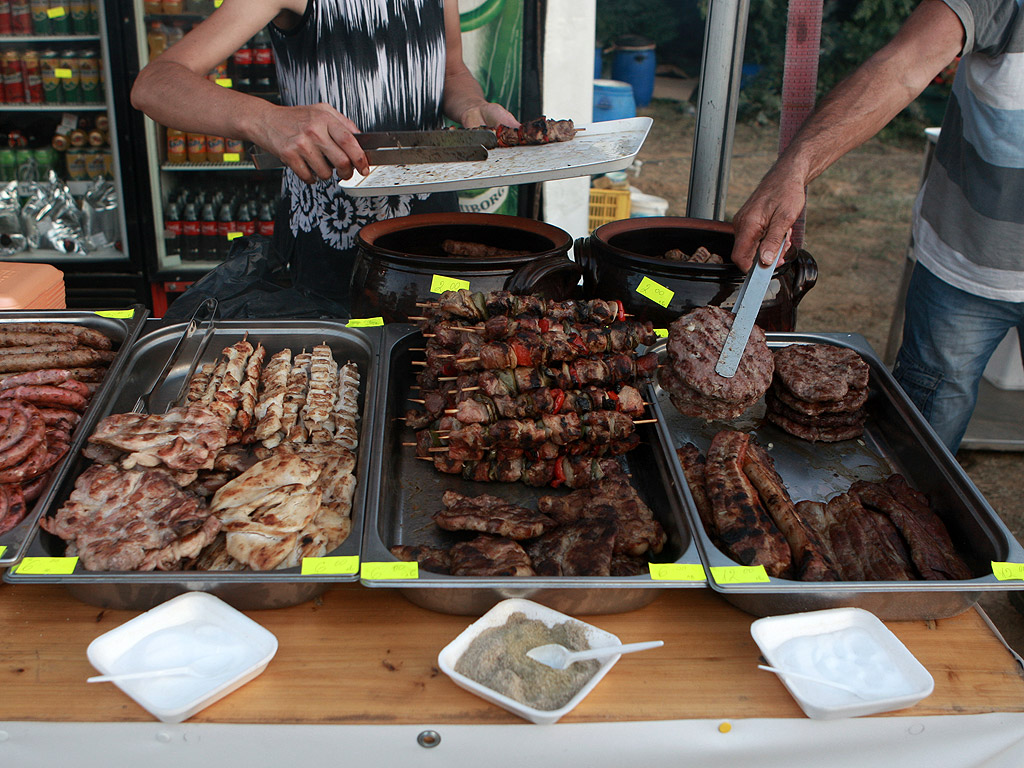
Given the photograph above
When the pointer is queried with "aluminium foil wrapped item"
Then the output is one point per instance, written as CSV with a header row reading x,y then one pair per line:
x,y
99,212
12,235
52,220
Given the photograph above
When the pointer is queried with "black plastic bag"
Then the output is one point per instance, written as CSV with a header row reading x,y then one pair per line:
x,y
252,283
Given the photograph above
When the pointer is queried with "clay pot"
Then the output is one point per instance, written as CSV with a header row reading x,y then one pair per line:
x,y
400,260
618,256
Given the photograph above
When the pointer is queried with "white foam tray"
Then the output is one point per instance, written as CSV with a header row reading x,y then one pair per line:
x,y
605,146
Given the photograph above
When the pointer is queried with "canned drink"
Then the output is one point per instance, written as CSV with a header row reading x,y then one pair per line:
x,y
5,18
94,17
60,19
95,168
89,76
46,161
21,17
8,165
48,65
80,17
33,78
14,78
75,159
40,10
70,77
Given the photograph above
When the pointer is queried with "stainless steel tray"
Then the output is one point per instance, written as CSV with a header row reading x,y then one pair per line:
x,y
896,439
123,326
407,492
246,590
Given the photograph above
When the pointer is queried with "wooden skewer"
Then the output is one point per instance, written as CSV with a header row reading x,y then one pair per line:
x,y
409,445
419,362
417,349
446,378
437,450
469,389
424,458
417,318
472,329
463,360
645,421
413,399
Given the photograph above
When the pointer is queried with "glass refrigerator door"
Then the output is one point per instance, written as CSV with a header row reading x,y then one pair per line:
x,y
61,193
205,190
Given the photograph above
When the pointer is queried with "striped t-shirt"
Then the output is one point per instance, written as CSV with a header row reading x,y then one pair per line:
x,y
969,216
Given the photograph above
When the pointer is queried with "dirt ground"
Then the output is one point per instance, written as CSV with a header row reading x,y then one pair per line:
x,y
858,222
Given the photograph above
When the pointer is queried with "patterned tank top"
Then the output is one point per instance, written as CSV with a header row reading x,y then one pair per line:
x,y
381,63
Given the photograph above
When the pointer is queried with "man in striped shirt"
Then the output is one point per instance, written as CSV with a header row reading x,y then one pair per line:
x,y
967,288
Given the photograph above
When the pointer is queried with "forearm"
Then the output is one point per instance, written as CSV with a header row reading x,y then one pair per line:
x,y
176,97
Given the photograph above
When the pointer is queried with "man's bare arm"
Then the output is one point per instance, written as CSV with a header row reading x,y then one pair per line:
x,y
854,111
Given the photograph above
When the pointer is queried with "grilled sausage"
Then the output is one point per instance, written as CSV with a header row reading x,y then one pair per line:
x,y
90,337
45,376
81,356
46,394
31,437
14,338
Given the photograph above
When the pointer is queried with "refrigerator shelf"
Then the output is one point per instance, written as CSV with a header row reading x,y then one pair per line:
x,y
240,166
48,39
55,107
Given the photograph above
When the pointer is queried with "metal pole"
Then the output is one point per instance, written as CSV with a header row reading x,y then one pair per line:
x,y
717,99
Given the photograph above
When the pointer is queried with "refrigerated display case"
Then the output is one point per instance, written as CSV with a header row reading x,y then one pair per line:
x,y
203,190
64,108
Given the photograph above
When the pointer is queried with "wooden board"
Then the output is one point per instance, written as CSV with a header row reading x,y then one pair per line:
x,y
361,655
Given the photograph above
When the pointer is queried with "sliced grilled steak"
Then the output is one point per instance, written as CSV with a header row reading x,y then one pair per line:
x,y
583,548
817,372
489,556
489,514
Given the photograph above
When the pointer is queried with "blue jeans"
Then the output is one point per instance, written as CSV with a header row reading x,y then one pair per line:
x,y
948,337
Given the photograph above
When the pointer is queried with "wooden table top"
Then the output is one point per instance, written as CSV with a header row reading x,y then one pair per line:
x,y
358,655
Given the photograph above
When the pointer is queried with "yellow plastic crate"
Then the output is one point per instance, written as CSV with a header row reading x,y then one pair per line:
x,y
608,205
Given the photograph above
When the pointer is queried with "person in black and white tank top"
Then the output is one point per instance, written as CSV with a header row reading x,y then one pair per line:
x,y
343,66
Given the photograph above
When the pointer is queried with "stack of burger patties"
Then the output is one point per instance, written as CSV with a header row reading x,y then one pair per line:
x,y
818,392
694,345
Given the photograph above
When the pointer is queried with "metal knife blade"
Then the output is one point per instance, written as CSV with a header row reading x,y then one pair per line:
x,y
396,156
455,137
748,304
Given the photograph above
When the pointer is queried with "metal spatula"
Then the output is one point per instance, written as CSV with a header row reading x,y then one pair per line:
x,y
748,304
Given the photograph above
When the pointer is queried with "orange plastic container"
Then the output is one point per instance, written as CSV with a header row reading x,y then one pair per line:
x,y
31,286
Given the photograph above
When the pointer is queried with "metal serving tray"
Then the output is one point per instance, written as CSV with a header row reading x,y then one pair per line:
x,y
896,439
245,590
407,492
123,326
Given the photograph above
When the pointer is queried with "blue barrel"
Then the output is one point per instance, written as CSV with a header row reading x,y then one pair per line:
x,y
613,100
634,63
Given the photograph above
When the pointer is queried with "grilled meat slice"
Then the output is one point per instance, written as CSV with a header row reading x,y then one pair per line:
x,y
433,559
583,548
874,549
489,514
745,529
693,461
931,548
489,556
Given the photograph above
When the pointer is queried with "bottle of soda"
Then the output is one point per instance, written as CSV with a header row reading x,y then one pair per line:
x,y
241,68
208,249
172,230
190,229
246,220
225,226
266,225
262,63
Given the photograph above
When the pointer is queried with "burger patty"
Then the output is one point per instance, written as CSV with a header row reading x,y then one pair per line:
x,y
842,419
816,434
817,372
855,399
690,402
695,343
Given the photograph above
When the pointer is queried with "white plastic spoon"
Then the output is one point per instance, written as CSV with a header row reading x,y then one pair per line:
x,y
813,679
198,668
559,657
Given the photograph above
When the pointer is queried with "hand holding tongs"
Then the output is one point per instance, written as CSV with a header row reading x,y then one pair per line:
x,y
748,304
204,316
408,147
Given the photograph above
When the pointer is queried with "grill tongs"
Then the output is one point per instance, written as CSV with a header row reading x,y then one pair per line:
x,y
203,318
408,147
748,304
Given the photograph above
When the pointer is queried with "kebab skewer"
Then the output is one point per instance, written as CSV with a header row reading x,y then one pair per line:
x,y
475,305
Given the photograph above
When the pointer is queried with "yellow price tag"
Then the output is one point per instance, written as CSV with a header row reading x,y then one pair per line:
x,y
1008,571
118,314
2,550
379,571
440,284
224,81
655,291
739,574
56,13
330,566
46,566
232,157
661,333
218,3
235,235
365,322
62,73
677,572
